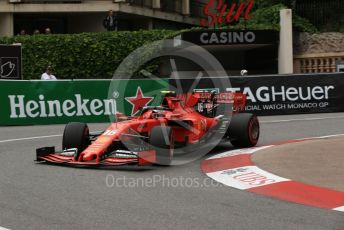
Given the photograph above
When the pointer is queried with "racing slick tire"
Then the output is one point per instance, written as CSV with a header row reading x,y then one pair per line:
x,y
244,130
76,135
161,138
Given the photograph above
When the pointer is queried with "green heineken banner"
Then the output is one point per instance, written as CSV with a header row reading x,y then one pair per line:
x,y
59,102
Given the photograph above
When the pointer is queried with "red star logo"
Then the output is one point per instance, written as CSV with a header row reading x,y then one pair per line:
x,y
138,101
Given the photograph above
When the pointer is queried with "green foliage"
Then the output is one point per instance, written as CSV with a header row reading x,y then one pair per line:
x,y
314,15
263,18
266,15
303,25
327,15
83,56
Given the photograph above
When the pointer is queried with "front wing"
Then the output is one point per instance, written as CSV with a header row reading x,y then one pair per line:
x,y
117,158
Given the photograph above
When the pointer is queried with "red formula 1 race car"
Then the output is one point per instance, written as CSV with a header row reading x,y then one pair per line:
x,y
186,121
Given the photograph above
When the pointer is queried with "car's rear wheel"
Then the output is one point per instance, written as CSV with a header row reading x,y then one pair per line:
x,y
244,130
76,135
161,138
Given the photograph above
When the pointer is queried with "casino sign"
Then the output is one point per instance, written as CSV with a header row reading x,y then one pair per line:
x,y
230,37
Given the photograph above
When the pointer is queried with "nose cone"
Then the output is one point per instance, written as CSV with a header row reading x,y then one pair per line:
x,y
89,157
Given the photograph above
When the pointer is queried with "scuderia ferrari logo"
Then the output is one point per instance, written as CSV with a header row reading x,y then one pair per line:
x,y
77,106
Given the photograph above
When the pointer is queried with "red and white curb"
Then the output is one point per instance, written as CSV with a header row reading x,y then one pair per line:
x,y
236,169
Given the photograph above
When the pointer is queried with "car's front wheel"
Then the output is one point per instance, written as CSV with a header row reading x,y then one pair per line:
x,y
161,138
76,135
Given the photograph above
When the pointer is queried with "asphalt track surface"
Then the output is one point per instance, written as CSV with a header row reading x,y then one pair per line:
x,y
48,197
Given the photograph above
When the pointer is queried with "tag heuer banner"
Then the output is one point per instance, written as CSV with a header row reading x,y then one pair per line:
x,y
59,102
10,62
283,94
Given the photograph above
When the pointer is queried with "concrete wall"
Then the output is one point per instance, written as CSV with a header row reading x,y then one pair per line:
x,y
6,24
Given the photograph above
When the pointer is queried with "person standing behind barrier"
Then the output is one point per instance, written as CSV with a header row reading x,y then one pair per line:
x,y
110,22
48,75
47,30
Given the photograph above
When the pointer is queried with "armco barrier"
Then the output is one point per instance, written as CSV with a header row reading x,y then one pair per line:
x,y
59,102
284,94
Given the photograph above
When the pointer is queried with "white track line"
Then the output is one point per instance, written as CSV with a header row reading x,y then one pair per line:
x,y
302,119
29,138
321,137
32,138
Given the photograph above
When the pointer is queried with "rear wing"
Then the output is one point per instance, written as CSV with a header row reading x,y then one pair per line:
x,y
238,100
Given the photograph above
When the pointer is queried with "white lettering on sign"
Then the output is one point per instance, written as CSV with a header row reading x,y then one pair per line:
x,y
283,93
21,108
227,37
